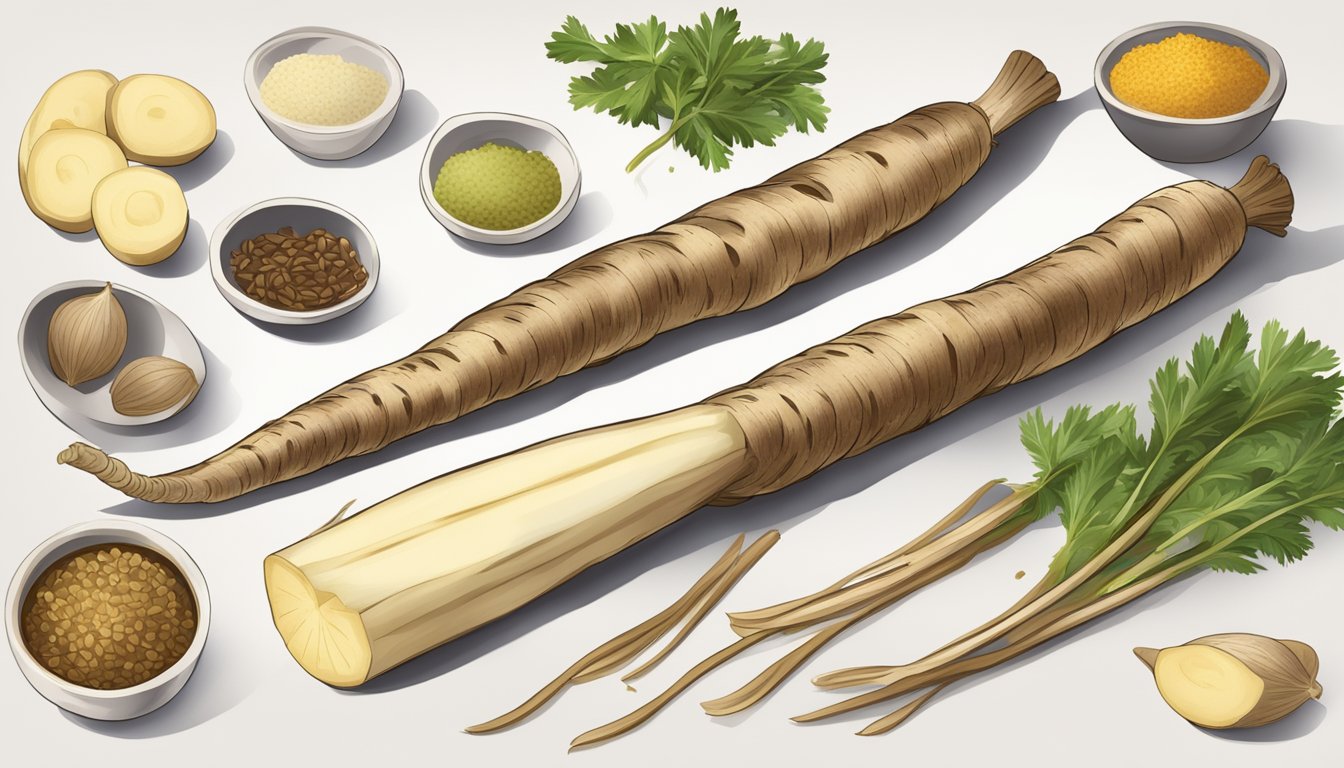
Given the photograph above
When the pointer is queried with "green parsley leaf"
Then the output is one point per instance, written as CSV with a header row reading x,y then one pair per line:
x,y
715,89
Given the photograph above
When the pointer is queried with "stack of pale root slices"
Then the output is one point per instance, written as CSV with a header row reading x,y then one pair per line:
x,y
74,154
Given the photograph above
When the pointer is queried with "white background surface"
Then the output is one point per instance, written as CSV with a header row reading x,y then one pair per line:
x,y
1053,177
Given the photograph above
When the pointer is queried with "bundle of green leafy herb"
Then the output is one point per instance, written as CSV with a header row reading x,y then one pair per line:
x,y
1245,450
716,89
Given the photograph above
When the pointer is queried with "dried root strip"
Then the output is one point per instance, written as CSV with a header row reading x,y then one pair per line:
x,y
743,564
618,651
749,622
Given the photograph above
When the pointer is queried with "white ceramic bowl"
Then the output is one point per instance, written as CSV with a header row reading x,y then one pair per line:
x,y
325,142
151,329
303,215
469,131
1186,140
124,703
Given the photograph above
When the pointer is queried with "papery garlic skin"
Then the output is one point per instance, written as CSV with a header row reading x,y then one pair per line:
x,y
86,337
1234,680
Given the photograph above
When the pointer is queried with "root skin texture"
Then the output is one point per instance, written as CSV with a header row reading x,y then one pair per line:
x,y
731,254
440,559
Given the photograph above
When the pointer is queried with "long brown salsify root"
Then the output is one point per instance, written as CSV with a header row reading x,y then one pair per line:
x,y
833,401
731,254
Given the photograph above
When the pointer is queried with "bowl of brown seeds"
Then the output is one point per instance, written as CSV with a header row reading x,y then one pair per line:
x,y
294,261
107,619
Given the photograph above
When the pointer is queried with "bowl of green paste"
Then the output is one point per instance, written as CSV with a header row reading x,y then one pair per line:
x,y
499,178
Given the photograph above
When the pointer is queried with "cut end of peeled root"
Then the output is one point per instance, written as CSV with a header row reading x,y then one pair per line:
x,y
326,638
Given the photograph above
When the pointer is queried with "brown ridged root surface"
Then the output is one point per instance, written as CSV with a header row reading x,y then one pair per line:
x,y
734,253
897,374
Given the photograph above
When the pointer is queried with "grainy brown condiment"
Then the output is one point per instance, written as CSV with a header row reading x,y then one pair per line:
x,y
110,616
285,271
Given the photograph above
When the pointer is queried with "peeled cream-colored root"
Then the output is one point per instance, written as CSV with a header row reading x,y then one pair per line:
x,y
1234,680
159,120
77,100
140,214
442,558
63,169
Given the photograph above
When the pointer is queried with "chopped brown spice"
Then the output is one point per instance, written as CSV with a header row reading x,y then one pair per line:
x,y
285,271
109,616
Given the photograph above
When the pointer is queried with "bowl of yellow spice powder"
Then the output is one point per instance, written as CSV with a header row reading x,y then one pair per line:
x,y
499,178
107,619
1190,92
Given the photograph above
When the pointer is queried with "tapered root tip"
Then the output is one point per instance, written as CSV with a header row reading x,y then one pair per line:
x,y
1023,86
1147,655
1265,196
114,472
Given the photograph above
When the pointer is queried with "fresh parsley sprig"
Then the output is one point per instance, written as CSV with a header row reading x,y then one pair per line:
x,y
713,89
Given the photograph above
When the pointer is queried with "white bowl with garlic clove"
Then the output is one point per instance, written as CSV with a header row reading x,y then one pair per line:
x,y
151,330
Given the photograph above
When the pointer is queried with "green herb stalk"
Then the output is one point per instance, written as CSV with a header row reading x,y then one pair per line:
x,y
712,88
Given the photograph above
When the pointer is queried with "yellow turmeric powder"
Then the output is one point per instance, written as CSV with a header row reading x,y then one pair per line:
x,y
1188,76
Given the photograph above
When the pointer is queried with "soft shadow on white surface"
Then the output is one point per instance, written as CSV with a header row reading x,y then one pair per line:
x,y
205,165
77,237
416,117
215,687
591,214
188,258
1294,726
215,408
1310,154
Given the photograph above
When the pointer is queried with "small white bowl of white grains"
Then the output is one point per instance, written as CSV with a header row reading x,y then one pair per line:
x,y
107,619
499,178
326,94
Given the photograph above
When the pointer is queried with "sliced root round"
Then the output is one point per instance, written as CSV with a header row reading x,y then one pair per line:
x,y
77,100
63,169
160,120
140,214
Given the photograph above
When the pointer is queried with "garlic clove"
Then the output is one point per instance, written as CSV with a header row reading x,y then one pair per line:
x,y
1305,654
150,385
1234,680
86,337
